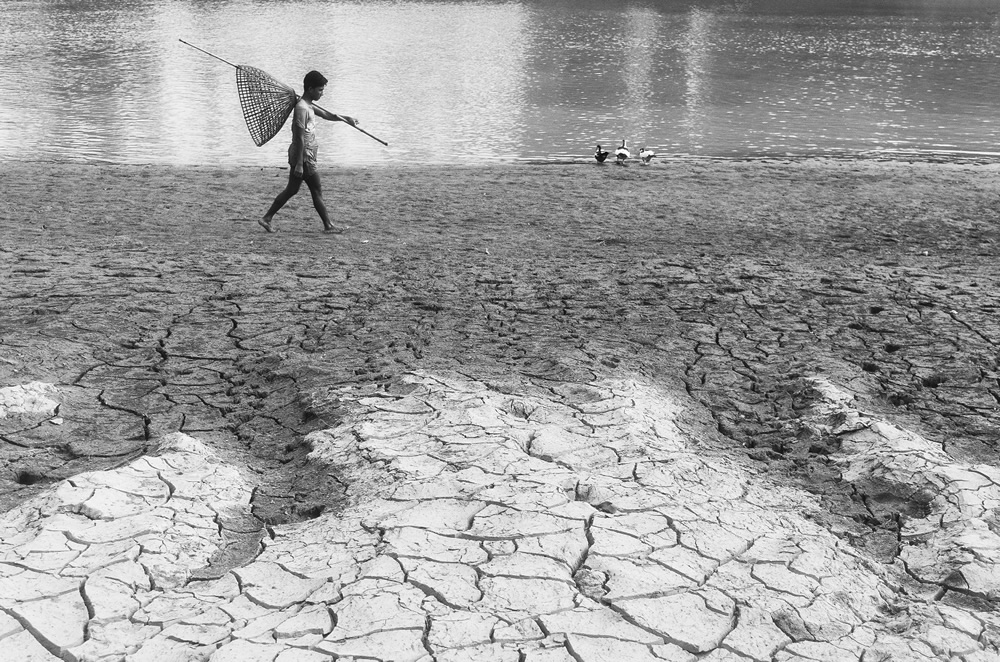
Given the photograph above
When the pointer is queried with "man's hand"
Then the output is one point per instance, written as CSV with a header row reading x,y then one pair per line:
x,y
350,120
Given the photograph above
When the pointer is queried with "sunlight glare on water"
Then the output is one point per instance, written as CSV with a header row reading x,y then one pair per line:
x,y
473,82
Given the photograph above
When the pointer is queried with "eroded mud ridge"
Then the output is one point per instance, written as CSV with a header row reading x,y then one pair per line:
x,y
738,411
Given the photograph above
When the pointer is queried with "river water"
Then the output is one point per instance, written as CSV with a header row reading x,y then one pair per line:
x,y
470,82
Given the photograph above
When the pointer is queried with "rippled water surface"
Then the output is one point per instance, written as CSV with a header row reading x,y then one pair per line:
x,y
446,81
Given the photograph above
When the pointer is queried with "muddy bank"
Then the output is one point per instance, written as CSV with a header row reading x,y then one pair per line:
x,y
154,303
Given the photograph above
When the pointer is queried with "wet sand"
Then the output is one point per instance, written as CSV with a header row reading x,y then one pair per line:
x,y
151,298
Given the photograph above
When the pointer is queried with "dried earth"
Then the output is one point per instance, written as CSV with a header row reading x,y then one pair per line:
x,y
696,410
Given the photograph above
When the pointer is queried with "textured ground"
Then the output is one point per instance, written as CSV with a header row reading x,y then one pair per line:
x,y
714,409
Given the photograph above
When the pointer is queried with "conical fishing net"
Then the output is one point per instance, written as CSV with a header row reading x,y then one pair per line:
x,y
266,102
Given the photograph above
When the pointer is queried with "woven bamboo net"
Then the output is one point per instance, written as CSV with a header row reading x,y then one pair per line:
x,y
266,102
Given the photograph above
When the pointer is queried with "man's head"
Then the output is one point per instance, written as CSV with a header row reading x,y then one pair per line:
x,y
313,79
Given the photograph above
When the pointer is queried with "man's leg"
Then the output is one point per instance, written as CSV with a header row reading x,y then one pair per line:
x,y
316,189
290,190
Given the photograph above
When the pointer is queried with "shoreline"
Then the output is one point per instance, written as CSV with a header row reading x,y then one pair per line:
x,y
901,157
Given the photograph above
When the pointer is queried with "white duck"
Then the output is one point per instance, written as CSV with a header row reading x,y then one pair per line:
x,y
646,155
622,153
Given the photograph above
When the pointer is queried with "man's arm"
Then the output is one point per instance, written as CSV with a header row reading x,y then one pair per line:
x,y
298,151
334,117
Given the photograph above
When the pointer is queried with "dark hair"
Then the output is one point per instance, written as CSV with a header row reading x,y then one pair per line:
x,y
314,79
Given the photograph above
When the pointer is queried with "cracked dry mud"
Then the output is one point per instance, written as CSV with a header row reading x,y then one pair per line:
x,y
696,411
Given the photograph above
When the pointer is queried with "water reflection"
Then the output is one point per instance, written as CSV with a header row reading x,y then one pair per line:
x,y
696,50
469,84
641,108
455,81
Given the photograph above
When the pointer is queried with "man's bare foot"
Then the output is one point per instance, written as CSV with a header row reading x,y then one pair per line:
x,y
266,224
336,229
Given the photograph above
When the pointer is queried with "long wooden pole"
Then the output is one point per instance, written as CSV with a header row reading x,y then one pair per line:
x,y
209,54
353,126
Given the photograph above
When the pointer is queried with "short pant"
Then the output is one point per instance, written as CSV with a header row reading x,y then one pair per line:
x,y
308,159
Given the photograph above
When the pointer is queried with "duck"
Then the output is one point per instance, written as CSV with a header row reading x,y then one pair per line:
x,y
622,153
600,154
646,155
